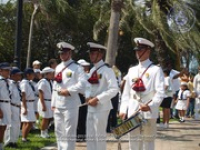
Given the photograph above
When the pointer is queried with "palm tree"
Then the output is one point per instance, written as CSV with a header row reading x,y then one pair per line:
x,y
35,11
156,20
43,6
116,7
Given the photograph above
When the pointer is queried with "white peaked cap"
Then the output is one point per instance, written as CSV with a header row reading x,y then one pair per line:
x,y
62,45
143,41
82,62
47,70
95,45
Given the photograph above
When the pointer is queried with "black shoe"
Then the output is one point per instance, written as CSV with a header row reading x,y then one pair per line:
x,y
15,145
9,145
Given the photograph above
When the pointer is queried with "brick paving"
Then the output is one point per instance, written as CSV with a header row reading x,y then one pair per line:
x,y
179,136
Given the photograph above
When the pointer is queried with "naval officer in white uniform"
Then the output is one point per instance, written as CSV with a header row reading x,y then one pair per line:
x,y
68,82
103,88
132,100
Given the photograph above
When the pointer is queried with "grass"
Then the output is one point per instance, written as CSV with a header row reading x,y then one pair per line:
x,y
36,141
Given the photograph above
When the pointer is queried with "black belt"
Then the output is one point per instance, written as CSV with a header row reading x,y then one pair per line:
x,y
30,100
15,105
3,101
47,99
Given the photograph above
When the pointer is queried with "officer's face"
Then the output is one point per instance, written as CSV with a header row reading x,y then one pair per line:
x,y
143,54
95,56
65,56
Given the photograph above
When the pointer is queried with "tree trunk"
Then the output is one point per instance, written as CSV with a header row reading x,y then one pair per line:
x,y
161,51
36,6
113,32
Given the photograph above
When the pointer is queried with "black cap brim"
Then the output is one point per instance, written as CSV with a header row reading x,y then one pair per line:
x,y
141,47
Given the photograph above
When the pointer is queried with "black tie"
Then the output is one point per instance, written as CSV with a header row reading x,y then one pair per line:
x,y
7,85
50,84
32,86
20,92
182,95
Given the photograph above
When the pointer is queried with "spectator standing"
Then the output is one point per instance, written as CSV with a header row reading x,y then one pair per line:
x,y
36,64
190,110
166,103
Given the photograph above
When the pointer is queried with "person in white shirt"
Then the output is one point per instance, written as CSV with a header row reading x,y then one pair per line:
x,y
27,106
166,103
5,110
146,98
13,131
103,88
44,105
36,64
68,82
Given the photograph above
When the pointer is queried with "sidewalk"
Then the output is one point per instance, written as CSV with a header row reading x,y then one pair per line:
x,y
179,136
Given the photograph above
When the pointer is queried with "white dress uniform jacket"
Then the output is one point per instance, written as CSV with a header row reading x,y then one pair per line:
x,y
153,80
97,116
73,79
143,138
106,89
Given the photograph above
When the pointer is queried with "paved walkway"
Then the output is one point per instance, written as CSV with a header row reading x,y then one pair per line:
x,y
179,136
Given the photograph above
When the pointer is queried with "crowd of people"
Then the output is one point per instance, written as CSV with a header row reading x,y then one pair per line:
x,y
84,100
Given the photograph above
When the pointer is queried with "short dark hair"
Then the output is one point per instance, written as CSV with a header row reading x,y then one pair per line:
x,y
52,61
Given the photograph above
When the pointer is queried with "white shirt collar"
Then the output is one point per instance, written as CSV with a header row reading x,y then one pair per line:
x,y
65,63
100,63
144,63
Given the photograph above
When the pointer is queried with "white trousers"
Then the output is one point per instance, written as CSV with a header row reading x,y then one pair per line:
x,y
65,128
96,130
12,132
142,138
